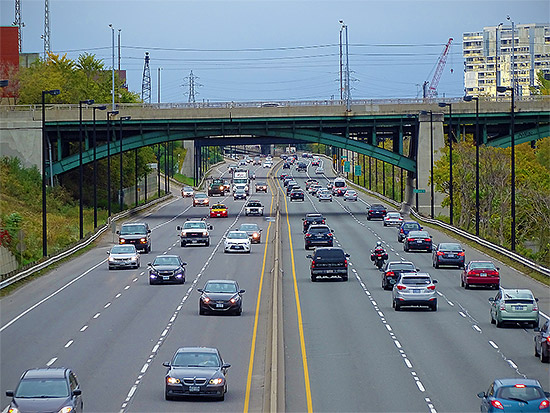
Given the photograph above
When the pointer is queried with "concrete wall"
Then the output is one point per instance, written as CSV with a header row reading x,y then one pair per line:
x,y
8,262
22,139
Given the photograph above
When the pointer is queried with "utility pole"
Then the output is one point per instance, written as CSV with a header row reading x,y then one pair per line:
x,y
146,81
19,23
47,32
158,84
119,30
192,85
347,86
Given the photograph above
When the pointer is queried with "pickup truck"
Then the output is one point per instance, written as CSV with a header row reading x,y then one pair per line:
x,y
254,207
217,187
194,231
329,262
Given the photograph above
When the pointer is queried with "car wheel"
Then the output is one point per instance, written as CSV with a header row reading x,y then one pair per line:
x,y
368,218
207,243
201,311
543,358
110,268
344,278
497,286
222,397
434,306
168,397
397,307
466,286
151,282
405,248
537,354
499,324
313,278
182,281
429,250
239,311
492,319
182,244
436,264
306,247
461,282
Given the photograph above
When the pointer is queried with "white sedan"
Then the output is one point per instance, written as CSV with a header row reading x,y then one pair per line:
x,y
123,256
236,241
350,195
393,218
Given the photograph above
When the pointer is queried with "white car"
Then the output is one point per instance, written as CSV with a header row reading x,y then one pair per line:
x,y
267,164
123,256
350,195
187,191
236,241
393,218
324,195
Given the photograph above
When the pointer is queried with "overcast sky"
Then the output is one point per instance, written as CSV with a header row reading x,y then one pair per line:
x,y
263,50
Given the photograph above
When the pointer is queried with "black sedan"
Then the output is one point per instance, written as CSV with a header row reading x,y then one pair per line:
x,y
167,268
46,390
196,371
393,269
542,342
448,253
318,235
221,296
376,211
311,219
418,240
297,194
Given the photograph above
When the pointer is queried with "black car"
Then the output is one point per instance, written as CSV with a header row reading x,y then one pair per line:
x,y
290,187
196,371
542,342
448,253
301,167
318,235
417,240
312,219
221,296
46,390
376,211
393,269
296,194
329,262
167,268
137,233
286,165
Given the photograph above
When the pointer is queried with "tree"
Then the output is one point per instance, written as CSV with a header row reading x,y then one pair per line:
x,y
543,85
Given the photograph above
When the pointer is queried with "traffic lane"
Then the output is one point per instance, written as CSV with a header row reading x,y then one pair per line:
x,y
336,342
232,335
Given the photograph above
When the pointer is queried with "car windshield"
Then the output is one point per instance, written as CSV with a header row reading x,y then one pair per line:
x,y
526,393
450,247
318,230
42,388
393,215
249,227
525,295
350,192
419,234
377,206
132,229
200,195
415,280
123,249
402,266
482,265
261,184
254,204
217,287
188,359
237,235
219,206
166,261
328,254
411,225
194,225
187,188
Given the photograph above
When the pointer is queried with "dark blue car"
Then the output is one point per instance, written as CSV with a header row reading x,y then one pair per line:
x,y
515,395
405,228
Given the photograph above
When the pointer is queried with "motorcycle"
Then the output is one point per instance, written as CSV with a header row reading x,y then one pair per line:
x,y
378,257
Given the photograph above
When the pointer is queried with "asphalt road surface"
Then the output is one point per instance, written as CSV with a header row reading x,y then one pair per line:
x,y
345,348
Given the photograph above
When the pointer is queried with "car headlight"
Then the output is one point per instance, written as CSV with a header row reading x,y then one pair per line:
x,y
216,381
111,259
66,409
13,410
206,299
121,241
143,240
255,235
134,258
204,234
172,380
183,234
153,272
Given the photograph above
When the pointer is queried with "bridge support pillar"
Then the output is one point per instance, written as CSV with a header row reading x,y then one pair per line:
x,y
188,167
430,127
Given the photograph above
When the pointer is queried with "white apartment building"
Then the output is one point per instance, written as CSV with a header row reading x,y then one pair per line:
x,y
488,58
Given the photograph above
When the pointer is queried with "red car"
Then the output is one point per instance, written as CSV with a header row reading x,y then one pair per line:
x,y
218,210
483,273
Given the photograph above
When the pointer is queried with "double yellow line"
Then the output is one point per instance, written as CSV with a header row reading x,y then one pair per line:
x,y
298,311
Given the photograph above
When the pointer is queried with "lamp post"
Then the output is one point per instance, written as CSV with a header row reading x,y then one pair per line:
x,y
109,113
52,92
469,99
102,107
512,165
80,168
121,194
347,80
113,68
450,137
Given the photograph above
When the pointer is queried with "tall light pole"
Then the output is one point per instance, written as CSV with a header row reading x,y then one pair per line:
x,y
497,65
341,63
512,165
450,138
101,107
52,92
469,99
347,82
109,113
121,194
513,62
113,67
80,168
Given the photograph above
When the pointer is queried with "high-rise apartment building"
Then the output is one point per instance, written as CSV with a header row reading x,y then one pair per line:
x,y
488,58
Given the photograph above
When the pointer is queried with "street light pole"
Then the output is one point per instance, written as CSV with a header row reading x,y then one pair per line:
x,y
102,107
450,138
113,68
80,166
109,113
44,144
121,194
469,99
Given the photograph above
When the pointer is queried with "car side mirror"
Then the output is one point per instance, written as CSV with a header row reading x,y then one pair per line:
x,y
347,255
210,227
178,228
148,231
183,263
309,256
481,395
118,232
200,290
226,365
148,264
77,392
241,291
491,299
434,281
547,393
166,364
108,252
537,300
536,329
9,393
498,268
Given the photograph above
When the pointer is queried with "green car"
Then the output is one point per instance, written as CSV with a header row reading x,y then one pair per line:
x,y
513,305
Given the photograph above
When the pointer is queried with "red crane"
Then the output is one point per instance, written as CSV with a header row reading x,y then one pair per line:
x,y
439,70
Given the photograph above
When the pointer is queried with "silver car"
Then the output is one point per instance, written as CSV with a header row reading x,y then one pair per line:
x,y
393,219
414,289
324,195
514,305
123,256
350,195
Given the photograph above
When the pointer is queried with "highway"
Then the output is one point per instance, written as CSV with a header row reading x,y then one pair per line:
x,y
345,348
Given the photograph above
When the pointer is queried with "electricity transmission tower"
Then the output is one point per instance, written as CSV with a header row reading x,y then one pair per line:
x,y
191,84
146,81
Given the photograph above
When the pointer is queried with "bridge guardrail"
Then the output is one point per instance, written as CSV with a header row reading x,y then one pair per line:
x,y
487,244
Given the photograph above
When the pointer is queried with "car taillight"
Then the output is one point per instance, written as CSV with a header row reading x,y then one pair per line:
x,y
440,253
308,235
431,287
312,263
323,221
461,254
401,287
390,274
370,211
427,239
502,306
401,230
544,404
548,339
345,263
329,234
535,308
410,239
496,404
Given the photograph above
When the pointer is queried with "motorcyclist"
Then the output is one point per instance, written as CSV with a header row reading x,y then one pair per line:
x,y
379,255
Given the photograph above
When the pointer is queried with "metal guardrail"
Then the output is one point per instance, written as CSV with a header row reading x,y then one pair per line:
x,y
487,244
87,241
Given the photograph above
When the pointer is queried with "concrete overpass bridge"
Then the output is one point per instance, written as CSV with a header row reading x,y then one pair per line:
x,y
407,124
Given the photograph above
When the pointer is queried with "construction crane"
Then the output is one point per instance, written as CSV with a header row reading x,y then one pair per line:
x,y
432,90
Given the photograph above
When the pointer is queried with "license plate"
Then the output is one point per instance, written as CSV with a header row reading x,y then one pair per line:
x,y
329,271
450,256
419,241
417,291
194,388
165,277
219,305
483,274
519,308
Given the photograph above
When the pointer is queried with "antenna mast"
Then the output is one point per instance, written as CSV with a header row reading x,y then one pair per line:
x,y
47,32
19,24
146,82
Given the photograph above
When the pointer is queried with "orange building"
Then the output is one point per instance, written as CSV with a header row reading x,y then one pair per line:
x,y
9,58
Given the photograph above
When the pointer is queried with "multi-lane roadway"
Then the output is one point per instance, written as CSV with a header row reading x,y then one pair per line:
x,y
345,348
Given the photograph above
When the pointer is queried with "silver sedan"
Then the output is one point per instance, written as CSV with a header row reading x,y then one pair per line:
x,y
123,256
350,195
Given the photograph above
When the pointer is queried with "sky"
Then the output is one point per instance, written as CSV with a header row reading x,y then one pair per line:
x,y
265,50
